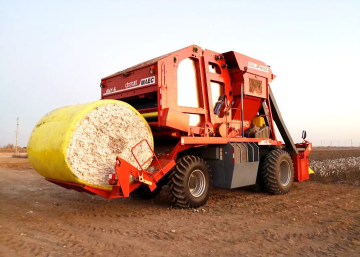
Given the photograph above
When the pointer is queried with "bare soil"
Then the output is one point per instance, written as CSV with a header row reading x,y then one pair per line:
x,y
38,218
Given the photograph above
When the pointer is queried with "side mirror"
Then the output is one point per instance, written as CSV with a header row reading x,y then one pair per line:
x,y
303,134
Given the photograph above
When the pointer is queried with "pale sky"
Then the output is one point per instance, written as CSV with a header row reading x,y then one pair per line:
x,y
54,53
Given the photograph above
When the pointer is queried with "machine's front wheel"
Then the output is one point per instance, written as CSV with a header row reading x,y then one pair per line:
x,y
190,182
259,180
277,172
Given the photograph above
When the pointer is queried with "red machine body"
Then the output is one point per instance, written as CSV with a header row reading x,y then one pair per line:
x,y
194,98
183,88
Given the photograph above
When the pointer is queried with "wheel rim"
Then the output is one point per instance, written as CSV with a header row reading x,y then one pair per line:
x,y
197,183
285,173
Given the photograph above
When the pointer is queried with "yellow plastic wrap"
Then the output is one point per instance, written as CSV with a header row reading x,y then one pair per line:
x,y
47,146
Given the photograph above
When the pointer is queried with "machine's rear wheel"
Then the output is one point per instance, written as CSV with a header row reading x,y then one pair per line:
x,y
190,182
144,192
277,172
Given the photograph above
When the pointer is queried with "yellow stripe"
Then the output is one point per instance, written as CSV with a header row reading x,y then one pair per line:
x,y
150,114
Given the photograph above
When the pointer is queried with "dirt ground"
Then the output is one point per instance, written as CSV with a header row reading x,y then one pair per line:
x,y
317,218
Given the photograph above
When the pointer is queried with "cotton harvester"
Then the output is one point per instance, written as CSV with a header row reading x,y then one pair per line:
x,y
212,118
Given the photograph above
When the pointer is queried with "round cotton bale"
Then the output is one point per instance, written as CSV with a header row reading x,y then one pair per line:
x,y
80,143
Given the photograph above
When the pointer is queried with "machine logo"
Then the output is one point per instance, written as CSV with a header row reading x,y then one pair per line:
x,y
147,81
258,67
110,90
132,84
143,82
264,142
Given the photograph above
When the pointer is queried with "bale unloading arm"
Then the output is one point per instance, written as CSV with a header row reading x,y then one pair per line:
x,y
212,115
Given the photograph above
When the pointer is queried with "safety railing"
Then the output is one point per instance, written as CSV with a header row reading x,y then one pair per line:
x,y
141,170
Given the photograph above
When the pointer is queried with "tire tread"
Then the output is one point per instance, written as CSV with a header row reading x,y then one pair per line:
x,y
176,182
268,171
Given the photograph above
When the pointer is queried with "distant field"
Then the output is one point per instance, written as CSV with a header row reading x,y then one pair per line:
x,y
335,165
12,150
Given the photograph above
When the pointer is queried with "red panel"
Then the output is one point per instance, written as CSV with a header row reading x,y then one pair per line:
x,y
135,83
130,92
251,107
211,57
175,120
250,65
301,168
225,140
301,162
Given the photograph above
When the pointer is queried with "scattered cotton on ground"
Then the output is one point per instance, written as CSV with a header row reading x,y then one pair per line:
x,y
335,166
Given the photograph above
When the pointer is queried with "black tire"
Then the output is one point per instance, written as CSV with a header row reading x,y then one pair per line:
x,y
190,182
277,172
262,153
259,180
144,192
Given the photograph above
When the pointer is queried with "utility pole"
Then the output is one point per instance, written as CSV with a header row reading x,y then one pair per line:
x,y
351,142
17,133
